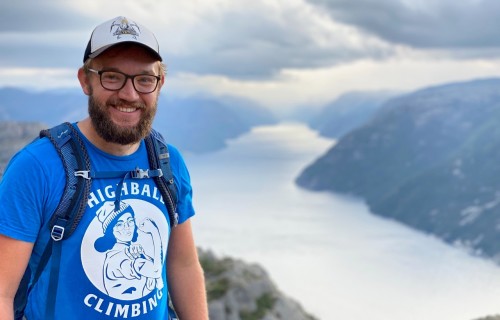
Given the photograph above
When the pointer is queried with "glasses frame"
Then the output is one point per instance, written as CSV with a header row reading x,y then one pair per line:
x,y
127,76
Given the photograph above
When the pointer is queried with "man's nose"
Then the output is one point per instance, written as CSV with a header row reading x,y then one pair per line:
x,y
128,91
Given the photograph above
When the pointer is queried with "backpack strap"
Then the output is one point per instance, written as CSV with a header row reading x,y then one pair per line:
x,y
65,218
159,159
70,209
73,154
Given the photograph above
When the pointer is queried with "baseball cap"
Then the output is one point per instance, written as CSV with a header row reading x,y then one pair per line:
x,y
120,30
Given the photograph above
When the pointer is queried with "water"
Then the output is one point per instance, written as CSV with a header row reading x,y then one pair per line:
x,y
325,250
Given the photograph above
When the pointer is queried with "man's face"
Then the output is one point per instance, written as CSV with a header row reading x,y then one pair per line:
x,y
124,116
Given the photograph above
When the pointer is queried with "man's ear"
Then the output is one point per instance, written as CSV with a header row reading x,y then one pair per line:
x,y
162,81
84,81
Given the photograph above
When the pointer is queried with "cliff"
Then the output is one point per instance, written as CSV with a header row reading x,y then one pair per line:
x,y
238,290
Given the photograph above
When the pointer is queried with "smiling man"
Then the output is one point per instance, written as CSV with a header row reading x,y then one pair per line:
x,y
102,273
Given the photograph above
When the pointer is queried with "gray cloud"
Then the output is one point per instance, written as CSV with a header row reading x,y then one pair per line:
x,y
255,42
44,34
423,24
259,39
245,44
37,16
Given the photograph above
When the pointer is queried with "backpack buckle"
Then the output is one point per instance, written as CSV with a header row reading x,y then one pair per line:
x,y
57,233
82,173
139,173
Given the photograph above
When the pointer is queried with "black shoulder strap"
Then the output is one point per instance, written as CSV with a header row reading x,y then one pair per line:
x,y
159,158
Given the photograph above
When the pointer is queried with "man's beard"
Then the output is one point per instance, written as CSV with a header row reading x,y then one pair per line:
x,y
111,132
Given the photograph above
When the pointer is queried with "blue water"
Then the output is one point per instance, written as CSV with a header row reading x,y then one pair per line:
x,y
326,250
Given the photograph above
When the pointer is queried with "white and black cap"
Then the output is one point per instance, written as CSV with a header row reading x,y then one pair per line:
x,y
120,30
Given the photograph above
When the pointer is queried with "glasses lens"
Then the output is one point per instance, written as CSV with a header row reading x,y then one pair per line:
x,y
145,83
112,80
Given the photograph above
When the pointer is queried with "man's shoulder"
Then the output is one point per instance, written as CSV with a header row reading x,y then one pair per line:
x,y
41,147
39,151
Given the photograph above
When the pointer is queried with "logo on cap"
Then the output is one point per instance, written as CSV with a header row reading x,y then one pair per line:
x,y
123,27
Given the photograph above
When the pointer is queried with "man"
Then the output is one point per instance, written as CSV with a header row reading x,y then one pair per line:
x,y
114,265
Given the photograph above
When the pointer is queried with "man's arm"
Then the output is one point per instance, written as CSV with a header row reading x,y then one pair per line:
x,y
14,257
185,275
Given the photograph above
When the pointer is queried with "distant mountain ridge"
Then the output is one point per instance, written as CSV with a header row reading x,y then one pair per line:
x,y
348,112
193,124
203,124
429,159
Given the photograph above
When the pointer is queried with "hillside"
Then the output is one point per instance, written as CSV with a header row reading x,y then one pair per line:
x,y
428,159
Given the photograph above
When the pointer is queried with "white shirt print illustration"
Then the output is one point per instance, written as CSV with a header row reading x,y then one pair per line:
x,y
124,248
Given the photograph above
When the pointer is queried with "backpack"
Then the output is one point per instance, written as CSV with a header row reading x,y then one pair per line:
x,y
71,149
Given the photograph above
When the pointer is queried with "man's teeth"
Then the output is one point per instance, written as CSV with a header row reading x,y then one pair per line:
x,y
124,109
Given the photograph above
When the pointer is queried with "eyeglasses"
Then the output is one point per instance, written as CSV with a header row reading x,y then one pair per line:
x,y
116,80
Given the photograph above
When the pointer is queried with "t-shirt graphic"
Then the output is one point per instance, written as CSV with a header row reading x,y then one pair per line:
x,y
123,251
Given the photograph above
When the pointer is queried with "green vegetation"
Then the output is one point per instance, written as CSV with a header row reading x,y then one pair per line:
x,y
214,267
265,303
217,289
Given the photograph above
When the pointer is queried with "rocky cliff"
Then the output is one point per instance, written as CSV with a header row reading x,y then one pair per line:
x,y
238,290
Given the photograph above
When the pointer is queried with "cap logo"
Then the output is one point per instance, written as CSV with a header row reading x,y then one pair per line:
x,y
124,27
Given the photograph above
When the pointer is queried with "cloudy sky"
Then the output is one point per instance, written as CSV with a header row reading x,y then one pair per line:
x,y
281,53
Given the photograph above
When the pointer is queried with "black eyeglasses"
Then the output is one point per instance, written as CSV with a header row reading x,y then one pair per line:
x,y
115,80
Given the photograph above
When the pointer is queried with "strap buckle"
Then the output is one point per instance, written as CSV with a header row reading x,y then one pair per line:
x,y
145,173
140,173
57,233
83,173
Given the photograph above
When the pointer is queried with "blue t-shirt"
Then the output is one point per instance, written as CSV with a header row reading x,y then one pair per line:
x,y
114,264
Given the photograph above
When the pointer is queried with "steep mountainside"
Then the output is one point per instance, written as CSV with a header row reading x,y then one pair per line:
x,y
348,112
429,159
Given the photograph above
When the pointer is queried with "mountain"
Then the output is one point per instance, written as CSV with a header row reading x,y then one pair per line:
x,y
348,111
203,124
50,107
193,124
428,159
